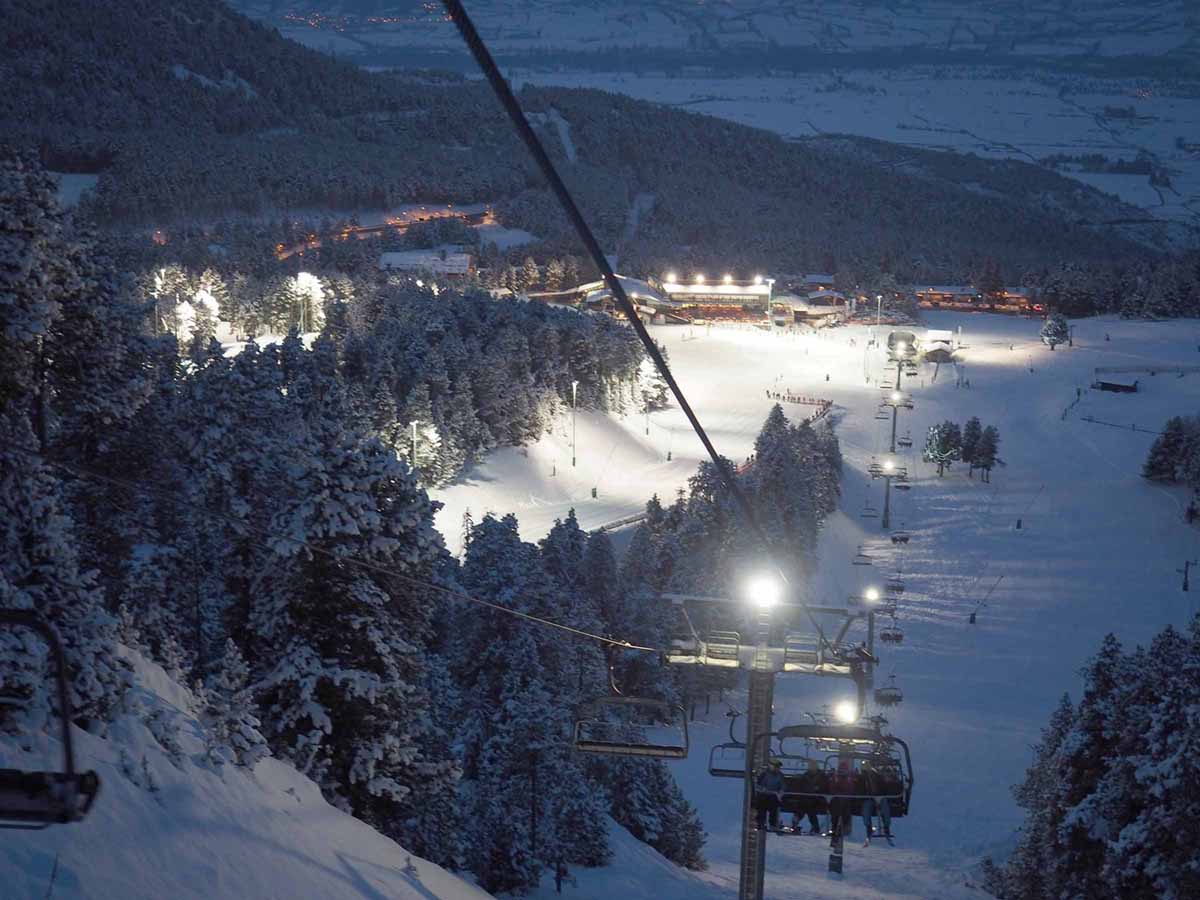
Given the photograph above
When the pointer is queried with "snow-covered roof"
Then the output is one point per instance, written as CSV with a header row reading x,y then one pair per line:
x,y
635,288
426,260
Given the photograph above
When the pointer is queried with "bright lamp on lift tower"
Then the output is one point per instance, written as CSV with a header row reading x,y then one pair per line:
x,y
764,591
846,712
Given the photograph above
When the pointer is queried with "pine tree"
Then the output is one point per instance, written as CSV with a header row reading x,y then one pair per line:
x,y
943,445
985,452
1167,452
1055,330
971,435
228,708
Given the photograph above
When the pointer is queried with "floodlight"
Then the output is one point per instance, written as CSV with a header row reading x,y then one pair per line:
x,y
758,279
889,465
901,346
728,279
846,711
896,396
671,277
699,279
764,591
871,594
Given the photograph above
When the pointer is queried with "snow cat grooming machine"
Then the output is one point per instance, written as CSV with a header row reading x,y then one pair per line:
x,y
35,800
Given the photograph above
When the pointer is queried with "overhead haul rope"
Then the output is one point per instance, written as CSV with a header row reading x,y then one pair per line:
x,y
217,515
505,95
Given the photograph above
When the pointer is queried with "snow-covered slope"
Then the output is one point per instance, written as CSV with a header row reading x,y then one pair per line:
x,y
1097,551
166,830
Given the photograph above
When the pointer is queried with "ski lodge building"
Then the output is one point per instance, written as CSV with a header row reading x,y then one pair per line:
x,y
435,262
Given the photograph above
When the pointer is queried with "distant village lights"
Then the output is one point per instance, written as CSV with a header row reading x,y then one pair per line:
x,y
699,278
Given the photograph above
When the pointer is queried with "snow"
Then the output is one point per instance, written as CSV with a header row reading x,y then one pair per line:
x,y
1097,551
204,834
564,132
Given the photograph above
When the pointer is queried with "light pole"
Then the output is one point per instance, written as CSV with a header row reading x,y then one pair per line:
x,y
574,389
878,309
414,444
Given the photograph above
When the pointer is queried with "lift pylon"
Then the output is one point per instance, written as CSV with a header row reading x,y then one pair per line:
x,y
771,647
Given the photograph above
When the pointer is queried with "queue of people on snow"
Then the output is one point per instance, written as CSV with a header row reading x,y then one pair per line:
x,y
840,794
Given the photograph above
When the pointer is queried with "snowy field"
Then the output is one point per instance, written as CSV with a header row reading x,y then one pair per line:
x,y
1097,552
1099,27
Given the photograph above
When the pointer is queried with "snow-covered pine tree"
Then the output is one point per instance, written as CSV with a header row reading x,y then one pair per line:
x,y
339,649
943,445
1055,330
1032,871
1167,452
971,434
41,276
228,713
1083,762
520,684
986,450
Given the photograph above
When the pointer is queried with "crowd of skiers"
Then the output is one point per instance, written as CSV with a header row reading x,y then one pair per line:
x,y
839,794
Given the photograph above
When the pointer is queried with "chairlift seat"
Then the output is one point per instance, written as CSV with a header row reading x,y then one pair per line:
x,y
35,800
596,734
900,537
38,799
894,586
889,695
891,636
727,761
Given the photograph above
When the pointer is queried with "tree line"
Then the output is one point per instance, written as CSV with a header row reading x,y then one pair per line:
x,y
971,443
1110,797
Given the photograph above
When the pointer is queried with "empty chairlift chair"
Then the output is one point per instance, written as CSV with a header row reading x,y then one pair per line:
x,y
892,634
889,694
861,558
35,800
633,726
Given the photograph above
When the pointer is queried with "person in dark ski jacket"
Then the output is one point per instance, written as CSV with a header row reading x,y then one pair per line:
x,y
872,783
768,791
813,781
841,808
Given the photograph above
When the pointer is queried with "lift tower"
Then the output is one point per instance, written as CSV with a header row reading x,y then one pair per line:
x,y
833,642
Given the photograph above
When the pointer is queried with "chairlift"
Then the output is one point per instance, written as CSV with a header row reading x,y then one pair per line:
x,y
36,800
861,558
901,486
900,537
833,745
892,634
889,694
640,727
869,511
905,440
894,586
727,760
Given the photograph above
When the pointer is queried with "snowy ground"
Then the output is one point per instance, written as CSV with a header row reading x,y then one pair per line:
x,y
202,834
1097,552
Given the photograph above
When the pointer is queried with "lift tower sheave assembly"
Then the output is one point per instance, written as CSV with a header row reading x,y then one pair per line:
x,y
834,649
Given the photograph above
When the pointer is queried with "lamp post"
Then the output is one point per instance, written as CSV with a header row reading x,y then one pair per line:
x,y
574,389
414,444
878,309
